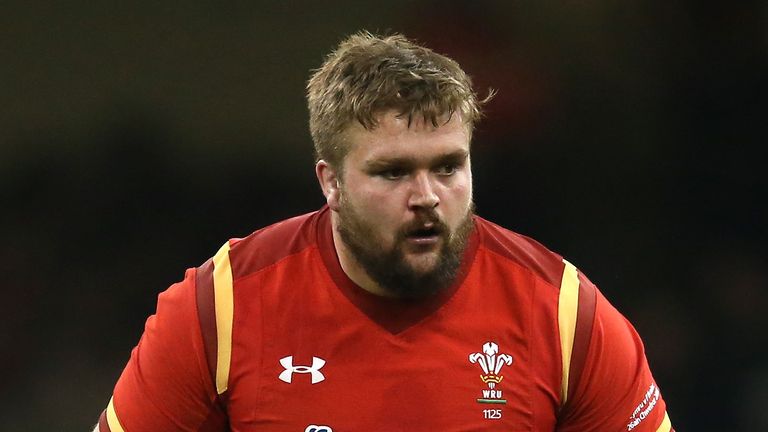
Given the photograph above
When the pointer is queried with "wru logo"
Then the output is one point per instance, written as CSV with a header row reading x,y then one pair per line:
x,y
491,363
290,369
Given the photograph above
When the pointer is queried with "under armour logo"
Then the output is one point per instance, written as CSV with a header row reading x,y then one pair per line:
x,y
315,428
290,369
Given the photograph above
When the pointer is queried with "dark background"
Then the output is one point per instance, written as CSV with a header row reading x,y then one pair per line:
x,y
135,138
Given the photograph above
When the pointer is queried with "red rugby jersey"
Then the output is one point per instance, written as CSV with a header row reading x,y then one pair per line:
x,y
270,335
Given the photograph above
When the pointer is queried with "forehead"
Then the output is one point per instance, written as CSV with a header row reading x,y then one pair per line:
x,y
394,137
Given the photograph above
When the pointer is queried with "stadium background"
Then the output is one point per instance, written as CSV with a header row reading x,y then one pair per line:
x,y
135,137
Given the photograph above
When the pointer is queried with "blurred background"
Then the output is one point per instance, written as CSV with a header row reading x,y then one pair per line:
x,y
135,137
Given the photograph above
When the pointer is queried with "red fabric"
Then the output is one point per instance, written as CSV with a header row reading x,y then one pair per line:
x,y
615,380
166,385
288,302
103,425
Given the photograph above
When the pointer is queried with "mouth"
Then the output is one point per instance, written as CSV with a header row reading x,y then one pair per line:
x,y
423,237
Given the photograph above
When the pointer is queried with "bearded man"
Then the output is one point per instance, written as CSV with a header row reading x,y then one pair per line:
x,y
394,307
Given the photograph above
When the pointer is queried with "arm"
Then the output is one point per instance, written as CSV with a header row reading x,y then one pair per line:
x,y
616,391
166,384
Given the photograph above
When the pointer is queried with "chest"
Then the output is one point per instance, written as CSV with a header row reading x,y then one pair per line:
x,y
317,364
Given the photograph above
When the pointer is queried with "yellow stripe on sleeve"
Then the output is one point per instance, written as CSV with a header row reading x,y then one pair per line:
x,y
666,424
112,421
223,299
567,308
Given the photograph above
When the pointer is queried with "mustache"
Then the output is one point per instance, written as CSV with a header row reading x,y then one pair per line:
x,y
425,223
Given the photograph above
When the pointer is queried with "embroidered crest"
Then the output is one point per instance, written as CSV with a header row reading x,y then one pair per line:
x,y
491,362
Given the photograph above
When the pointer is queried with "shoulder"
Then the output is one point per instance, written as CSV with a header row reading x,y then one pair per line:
x,y
567,297
271,244
236,259
521,250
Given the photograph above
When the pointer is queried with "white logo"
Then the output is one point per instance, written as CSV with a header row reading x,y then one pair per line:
x,y
315,428
645,407
491,362
290,369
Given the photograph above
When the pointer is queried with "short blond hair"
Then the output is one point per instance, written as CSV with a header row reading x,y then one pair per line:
x,y
367,74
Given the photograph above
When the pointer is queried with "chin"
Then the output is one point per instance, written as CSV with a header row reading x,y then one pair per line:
x,y
423,264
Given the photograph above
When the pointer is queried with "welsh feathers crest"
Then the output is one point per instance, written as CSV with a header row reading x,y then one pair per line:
x,y
491,362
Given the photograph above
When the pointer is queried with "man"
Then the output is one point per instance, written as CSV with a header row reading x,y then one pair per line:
x,y
393,308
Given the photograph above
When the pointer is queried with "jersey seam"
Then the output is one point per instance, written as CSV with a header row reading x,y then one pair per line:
x,y
520,266
271,265
206,370
487,236
201,339
591,342
567,407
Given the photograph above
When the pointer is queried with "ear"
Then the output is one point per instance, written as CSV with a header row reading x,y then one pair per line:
x,y
329,183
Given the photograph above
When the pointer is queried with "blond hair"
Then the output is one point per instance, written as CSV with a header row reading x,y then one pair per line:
x,y
366,75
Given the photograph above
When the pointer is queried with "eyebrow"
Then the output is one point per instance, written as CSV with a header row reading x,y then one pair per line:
x,y
457,156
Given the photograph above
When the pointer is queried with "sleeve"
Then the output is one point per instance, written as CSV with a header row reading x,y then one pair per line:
x,y
616,391
166,385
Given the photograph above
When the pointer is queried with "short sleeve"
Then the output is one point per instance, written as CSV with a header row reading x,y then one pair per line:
x,y
616,391
166,385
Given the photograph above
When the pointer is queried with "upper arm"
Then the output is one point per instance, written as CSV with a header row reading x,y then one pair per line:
x,y
616,391
166,384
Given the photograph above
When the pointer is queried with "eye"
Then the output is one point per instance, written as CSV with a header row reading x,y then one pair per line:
x,y
446,170
392,173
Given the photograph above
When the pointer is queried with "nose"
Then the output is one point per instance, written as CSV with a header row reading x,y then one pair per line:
x,y
423,195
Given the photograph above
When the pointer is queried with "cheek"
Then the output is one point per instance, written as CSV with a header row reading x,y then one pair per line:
x,y
367,200
376,208
377,198
459,194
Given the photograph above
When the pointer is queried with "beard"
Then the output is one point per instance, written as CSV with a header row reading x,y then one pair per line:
x,y
389,268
